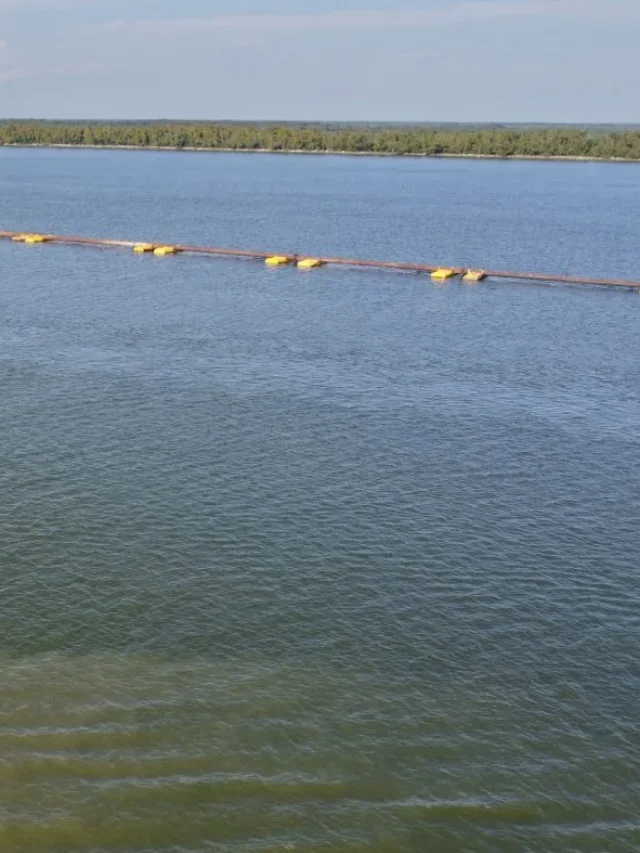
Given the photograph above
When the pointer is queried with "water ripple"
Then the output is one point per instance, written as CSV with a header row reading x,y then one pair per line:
x,y
344,562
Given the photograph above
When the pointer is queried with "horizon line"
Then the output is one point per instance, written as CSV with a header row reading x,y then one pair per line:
x,y
306,121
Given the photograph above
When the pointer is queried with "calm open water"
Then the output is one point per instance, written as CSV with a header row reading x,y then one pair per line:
x,y
340,562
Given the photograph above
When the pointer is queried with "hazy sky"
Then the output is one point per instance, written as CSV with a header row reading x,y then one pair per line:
x,y
401,60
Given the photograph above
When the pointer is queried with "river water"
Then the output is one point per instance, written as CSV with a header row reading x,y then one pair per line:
x,y
340,561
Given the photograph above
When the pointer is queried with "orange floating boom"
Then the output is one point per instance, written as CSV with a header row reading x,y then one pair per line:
x,y
348,262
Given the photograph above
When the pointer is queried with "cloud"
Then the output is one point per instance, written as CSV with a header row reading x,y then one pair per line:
x,y
441,14
10,74
27,72
330,21
45,5
18,5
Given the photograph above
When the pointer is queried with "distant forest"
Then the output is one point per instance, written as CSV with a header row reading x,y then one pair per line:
x,y
374,139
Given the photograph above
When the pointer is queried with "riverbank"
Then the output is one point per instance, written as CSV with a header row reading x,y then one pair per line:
x,y
321,152
486,142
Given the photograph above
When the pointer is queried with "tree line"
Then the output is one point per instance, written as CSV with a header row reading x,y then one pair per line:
x,y
426,140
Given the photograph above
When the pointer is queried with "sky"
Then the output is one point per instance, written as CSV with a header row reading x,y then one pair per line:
x,y
326,60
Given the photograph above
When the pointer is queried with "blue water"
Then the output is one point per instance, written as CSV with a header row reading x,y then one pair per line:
x,y
336,561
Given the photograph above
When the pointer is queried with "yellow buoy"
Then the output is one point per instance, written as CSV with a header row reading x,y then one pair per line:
x,y
165,250
442,274
277,260
309,263
30,238
141,248
474,275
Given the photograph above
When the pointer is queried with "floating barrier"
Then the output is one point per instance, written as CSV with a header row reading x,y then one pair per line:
x,y
310,263
30,238
472,276
442,274
141,248
278,260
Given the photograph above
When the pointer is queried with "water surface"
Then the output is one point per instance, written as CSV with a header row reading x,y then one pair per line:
x,y
340,561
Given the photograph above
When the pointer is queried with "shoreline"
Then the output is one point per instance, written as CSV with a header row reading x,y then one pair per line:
x,y
321,152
